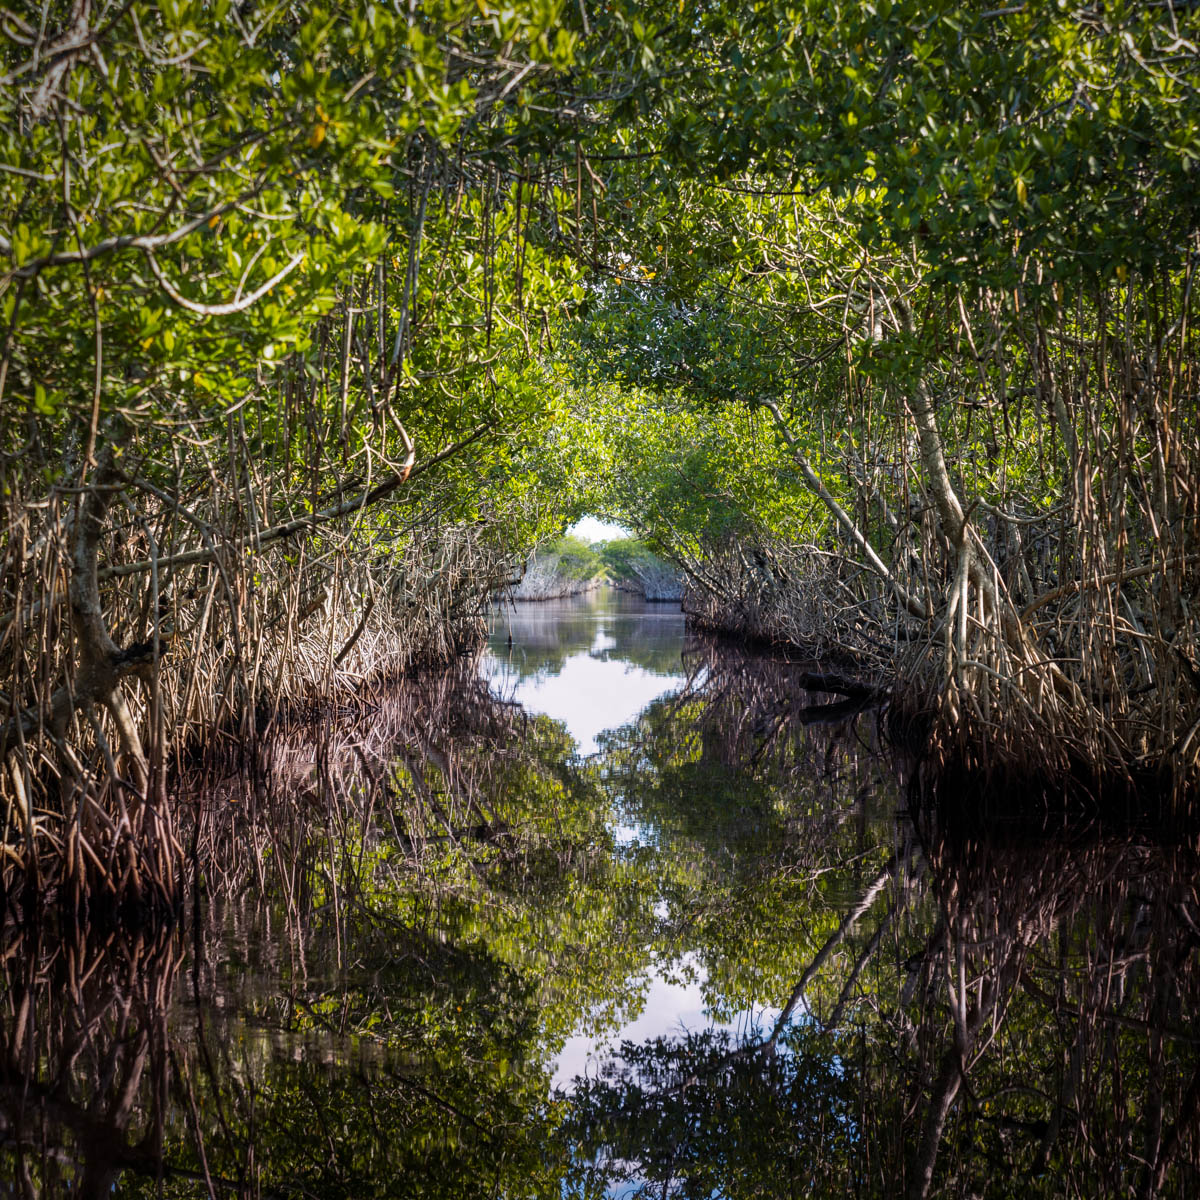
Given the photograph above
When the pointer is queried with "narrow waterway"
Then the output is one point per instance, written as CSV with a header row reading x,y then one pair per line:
x,y
611,911
596,663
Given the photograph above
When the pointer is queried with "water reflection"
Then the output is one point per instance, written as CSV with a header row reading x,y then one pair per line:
x,y
84,1052
538,638
592,662
409,916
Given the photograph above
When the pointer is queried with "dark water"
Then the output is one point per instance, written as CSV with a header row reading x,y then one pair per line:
x,y
615,913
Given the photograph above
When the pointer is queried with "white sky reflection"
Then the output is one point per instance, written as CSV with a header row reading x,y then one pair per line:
x,y
589,695
590,691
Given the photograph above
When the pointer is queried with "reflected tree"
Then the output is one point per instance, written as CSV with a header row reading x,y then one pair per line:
x,y
537,638
411,919
84,1049
766,805
1010,1004
697,1117
449,904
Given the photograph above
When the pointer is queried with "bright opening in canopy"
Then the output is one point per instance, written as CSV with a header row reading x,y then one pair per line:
x,y
592,529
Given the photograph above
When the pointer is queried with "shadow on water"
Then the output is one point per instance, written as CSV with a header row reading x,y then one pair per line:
x,y
410,914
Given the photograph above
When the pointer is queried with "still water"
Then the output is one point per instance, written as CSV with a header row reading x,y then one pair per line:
x,y
613,912
595,663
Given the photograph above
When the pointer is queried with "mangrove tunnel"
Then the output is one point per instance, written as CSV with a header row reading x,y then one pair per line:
x,y
599,599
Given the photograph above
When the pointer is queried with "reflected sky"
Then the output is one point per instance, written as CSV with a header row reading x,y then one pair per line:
x,y
556,974
674,1005
593,662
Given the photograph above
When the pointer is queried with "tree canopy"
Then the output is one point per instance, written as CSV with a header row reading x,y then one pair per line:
x,y
877,320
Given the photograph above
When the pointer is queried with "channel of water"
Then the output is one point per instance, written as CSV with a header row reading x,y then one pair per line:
x,y
614,911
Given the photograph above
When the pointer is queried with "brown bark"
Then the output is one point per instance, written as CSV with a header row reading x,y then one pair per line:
x,y
915,605
945,1089
100,664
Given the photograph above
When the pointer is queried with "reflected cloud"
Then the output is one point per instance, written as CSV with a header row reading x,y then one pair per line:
x,y
593,662
588,695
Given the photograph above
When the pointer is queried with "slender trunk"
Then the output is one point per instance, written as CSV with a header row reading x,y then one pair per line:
x,y
834,941
945,1089
915,605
